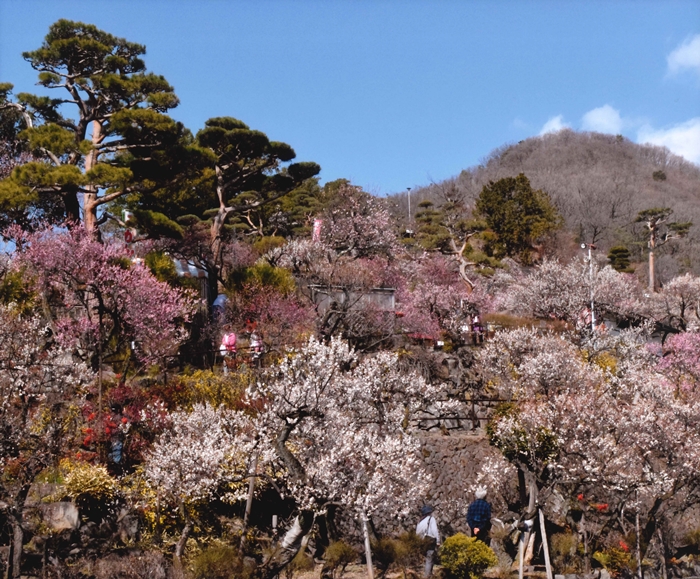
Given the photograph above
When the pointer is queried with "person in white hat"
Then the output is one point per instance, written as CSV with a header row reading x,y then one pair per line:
x,y
479,516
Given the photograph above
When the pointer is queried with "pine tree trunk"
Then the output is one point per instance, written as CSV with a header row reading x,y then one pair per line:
x,y
90,197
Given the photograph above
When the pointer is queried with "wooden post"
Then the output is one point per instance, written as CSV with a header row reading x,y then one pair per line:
x,y
368,548
249,502
545,546
639,547
586,559
521,556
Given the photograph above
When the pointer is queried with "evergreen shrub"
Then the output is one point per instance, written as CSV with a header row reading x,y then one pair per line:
x,y
465,557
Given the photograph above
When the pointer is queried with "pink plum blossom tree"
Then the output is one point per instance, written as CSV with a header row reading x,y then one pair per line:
x,y
358,225
345,284
101,300
434,299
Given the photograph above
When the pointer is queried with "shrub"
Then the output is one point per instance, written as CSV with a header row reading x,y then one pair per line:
x,y
301,562
84,481
268,243
205,386
615,560
384,553
220,562
564,552
262,274
338,556
15,289
134,565
692,538
465,557
410,550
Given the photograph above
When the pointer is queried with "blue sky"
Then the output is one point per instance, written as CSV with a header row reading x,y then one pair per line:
x,y
396,94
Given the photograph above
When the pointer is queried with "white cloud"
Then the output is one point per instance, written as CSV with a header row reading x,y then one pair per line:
x,y
520,124
682,139
687,55
554,125
604,119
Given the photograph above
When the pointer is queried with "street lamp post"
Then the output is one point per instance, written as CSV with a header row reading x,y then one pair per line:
x,y
408,189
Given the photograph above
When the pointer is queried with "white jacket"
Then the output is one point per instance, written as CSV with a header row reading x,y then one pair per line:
x,y
428,528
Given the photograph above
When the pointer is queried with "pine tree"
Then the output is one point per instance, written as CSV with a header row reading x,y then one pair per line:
x,y
108,149
518,215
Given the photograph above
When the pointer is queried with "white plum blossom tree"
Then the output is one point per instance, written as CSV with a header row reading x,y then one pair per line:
x,y
599,419
40,391
341,427
677,304
553,290
332,427
192,459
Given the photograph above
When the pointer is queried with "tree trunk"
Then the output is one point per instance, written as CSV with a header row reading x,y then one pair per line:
x,y
72,207
527,542
522,486
288,546
652,277
180,549
586,557
662,546
182,541
90,197
217,223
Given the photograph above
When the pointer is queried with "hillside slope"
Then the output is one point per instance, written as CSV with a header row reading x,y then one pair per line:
x,y
599,183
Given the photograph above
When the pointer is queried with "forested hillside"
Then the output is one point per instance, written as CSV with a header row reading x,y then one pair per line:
x,y
599,183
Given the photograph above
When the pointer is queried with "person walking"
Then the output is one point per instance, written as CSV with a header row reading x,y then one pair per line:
x,y
479,516
427,529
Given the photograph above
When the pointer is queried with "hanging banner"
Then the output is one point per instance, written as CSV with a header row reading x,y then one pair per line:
x,y
316,236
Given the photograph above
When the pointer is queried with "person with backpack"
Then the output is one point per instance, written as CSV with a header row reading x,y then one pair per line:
x,y
427,530
479,516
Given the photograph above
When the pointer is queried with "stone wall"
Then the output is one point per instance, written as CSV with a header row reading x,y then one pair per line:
x,y
453,459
